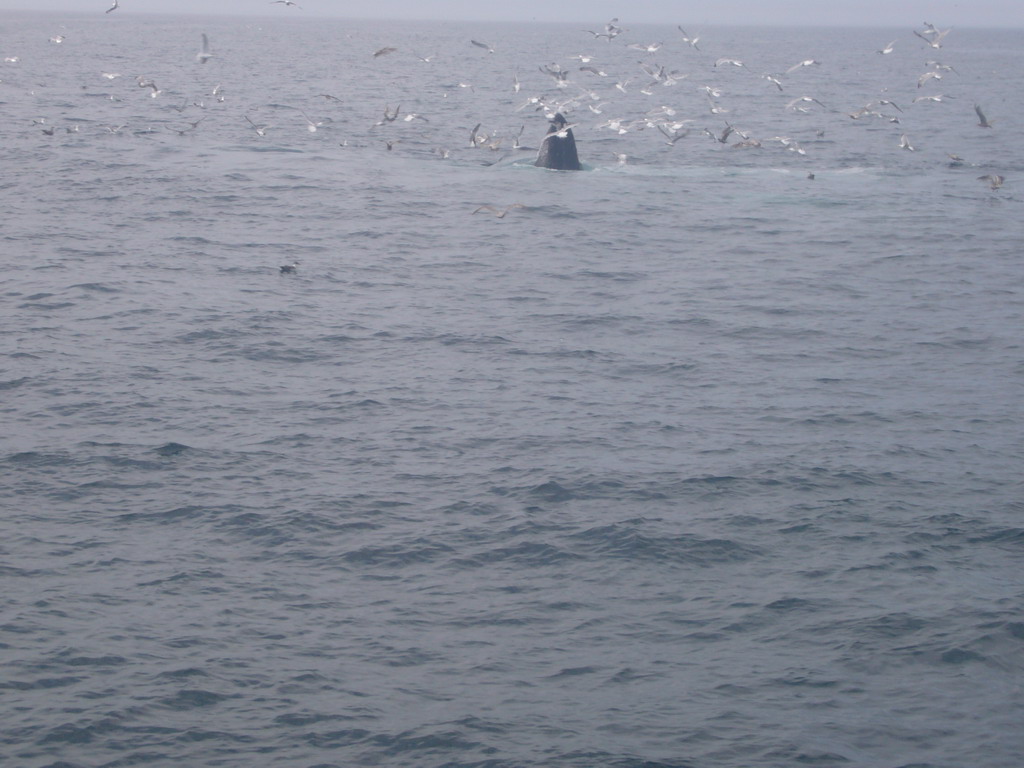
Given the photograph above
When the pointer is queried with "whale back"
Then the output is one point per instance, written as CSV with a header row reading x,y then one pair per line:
x,y
558,152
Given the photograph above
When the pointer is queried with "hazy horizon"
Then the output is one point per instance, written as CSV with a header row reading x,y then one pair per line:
x,y
871,13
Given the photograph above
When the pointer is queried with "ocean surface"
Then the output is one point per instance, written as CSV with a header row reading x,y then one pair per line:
x,y
706,456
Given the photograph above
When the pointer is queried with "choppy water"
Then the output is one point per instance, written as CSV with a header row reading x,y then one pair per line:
x,y
690,461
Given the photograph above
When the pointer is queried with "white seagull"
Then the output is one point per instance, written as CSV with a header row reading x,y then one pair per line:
x,y
802,64
204,55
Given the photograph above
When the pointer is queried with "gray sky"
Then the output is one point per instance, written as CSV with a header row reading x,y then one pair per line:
x,y
869,13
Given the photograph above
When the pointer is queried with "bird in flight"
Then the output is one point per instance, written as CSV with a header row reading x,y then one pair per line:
x,y
204,55
499,212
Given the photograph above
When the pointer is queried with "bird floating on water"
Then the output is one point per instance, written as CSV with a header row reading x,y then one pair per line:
x,y
289,269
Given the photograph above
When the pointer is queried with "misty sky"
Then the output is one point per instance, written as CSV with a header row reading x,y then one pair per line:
x,y
870,13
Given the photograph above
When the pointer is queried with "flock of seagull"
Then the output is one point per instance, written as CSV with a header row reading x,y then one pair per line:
x,y
584,89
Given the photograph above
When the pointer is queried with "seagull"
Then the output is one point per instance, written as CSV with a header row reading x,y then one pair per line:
x,y
892,104
261,130
673,136
58,39
485,46
312,126
687,39
725,134
794,102
726,60
983,121
789,144
646,47
499,212
932,36
285,3
610,31
887,49
289,269
114,7
110,75
389,117
928,76
804,63
144,83
905,143
561,131
384,51
936,97
995,181
192,126
204,55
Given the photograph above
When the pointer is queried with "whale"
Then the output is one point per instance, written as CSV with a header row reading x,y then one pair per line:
x,y
558,151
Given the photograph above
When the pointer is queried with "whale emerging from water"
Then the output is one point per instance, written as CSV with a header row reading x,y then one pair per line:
x,y
559,148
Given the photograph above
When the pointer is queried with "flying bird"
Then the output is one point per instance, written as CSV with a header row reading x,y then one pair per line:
x,y
687,39
485,46
982,120
204,54
499,212
802,64
114,7
384,51
995,181
261,130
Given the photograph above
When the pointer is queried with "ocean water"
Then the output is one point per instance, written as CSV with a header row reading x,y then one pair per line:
x,y
691,461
